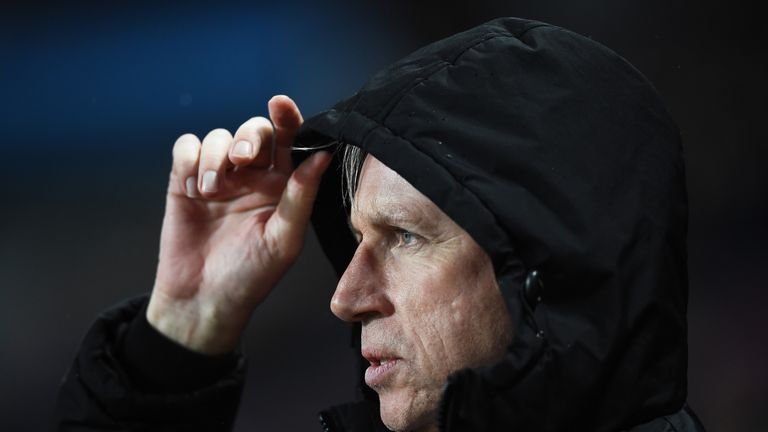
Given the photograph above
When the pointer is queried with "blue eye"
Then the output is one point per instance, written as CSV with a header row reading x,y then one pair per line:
x,y
407,237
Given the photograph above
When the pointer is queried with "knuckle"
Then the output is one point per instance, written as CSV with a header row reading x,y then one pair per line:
x,y
256,126
215,148
186,140
217,137
284,248
186,148
257,121
187,137
213,161
219,131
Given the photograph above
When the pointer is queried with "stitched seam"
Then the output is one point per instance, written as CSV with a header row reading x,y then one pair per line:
x,y
456,58
346,118
672,426
438,67
482,39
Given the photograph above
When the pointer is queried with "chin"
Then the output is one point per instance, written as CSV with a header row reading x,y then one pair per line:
x,y
408,411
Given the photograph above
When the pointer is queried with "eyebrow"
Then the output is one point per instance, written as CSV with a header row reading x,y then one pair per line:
x,y
395,215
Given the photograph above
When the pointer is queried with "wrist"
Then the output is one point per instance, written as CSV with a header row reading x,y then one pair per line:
x,y
195,326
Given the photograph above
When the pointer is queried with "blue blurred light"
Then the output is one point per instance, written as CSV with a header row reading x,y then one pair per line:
x,y
96,77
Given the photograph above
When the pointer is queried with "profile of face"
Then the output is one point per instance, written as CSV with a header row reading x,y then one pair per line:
x,y
425,294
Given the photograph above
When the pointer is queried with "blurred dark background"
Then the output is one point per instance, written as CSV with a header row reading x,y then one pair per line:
x,y
93,97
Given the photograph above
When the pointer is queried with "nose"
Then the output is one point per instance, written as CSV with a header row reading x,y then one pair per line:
x,y
361,294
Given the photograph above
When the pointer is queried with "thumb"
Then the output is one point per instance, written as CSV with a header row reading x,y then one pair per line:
x,y
289,221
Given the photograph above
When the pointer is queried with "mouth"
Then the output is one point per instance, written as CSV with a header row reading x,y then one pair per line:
x,y
383,366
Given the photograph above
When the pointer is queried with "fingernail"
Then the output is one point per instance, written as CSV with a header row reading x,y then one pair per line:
x,y
209,181
242,149
191,184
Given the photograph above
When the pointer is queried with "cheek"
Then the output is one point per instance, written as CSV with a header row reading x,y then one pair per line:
x,y
460,319
451,311
438,317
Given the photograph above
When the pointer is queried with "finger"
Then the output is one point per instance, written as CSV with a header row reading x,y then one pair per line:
x,y
186,154
253,143
289,222
213,161
287,118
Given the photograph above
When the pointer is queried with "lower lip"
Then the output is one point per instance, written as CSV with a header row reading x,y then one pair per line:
x,y
376,374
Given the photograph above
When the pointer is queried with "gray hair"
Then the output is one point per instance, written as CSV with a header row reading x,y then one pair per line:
x,y
351,165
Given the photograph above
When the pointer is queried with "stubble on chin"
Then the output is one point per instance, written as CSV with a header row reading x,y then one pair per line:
x,y
410,410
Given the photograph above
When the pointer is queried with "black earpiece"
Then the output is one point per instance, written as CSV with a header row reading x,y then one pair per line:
x,y
533,287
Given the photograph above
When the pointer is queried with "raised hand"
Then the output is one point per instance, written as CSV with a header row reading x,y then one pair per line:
x,y
236,213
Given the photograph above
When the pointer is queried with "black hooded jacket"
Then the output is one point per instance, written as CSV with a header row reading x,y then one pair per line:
x,y
556,156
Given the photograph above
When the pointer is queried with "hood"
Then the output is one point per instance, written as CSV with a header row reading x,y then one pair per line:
x,y
555,155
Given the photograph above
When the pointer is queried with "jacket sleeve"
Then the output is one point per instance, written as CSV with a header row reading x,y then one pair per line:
x,y
128,376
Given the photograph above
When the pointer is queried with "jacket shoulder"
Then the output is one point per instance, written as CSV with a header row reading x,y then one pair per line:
x,y
684,420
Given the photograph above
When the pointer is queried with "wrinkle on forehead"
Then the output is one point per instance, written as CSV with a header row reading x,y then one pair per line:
x,y
383,197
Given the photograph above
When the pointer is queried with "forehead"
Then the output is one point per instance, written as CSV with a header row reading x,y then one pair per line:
x,y
384,196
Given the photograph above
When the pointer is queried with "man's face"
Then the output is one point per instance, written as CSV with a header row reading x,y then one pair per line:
x,y
425,294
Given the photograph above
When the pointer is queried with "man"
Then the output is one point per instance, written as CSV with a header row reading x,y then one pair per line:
x,y
517,201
